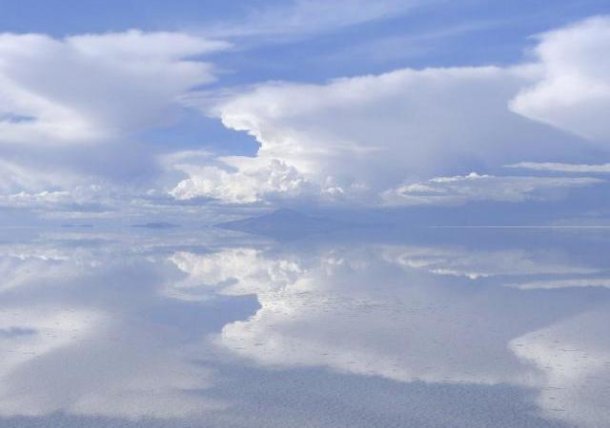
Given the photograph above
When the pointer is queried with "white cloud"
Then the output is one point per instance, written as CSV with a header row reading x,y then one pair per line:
x,y
42,330
72,111
16,177
475,187
250,184
573,92
94,87
366,140
354,138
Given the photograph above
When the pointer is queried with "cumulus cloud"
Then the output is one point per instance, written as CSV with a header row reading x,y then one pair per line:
x,y
573,92
43,189
403,137
358,137
252,183
361,138
94,87
71,111
24,186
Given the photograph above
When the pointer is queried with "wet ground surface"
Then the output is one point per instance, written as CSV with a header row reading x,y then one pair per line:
x,y
210,328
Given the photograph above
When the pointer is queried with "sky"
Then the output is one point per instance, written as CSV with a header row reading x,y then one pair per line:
x,y
201,110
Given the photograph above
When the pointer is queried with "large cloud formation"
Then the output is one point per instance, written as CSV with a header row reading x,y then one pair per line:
x,y
74,112
356,138
574,90
94,87
72,109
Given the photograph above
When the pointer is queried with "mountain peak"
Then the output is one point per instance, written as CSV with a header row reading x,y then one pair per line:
x,y
283,223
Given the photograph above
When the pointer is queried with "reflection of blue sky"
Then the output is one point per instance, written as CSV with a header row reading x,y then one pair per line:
x,y
175,331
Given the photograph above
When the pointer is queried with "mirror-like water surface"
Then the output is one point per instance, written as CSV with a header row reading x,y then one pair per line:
x,y
441,328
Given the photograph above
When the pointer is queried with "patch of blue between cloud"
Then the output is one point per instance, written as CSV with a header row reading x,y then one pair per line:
x,y
195,131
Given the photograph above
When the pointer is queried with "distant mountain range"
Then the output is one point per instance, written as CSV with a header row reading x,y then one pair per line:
x,y
156,225
286,224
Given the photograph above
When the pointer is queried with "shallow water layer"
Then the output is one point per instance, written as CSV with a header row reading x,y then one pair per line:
x,y
205,328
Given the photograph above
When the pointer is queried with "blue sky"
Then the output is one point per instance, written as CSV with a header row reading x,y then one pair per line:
x,y
132,107
445,33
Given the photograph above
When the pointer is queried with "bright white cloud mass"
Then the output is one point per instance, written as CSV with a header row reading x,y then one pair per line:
x,y
371,138
75,111
573,92
91,88
71,108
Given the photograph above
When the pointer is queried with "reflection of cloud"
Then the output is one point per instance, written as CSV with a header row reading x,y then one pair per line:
x,y
330,314
76,353
480,264
433,340
401,313
397,312
28,333
112,375
576,364
16,271
562,283
233,271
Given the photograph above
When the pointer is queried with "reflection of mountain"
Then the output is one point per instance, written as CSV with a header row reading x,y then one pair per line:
x,y
286,224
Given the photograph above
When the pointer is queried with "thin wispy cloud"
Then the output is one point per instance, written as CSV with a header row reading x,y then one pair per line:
x,y
303,18
563,167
